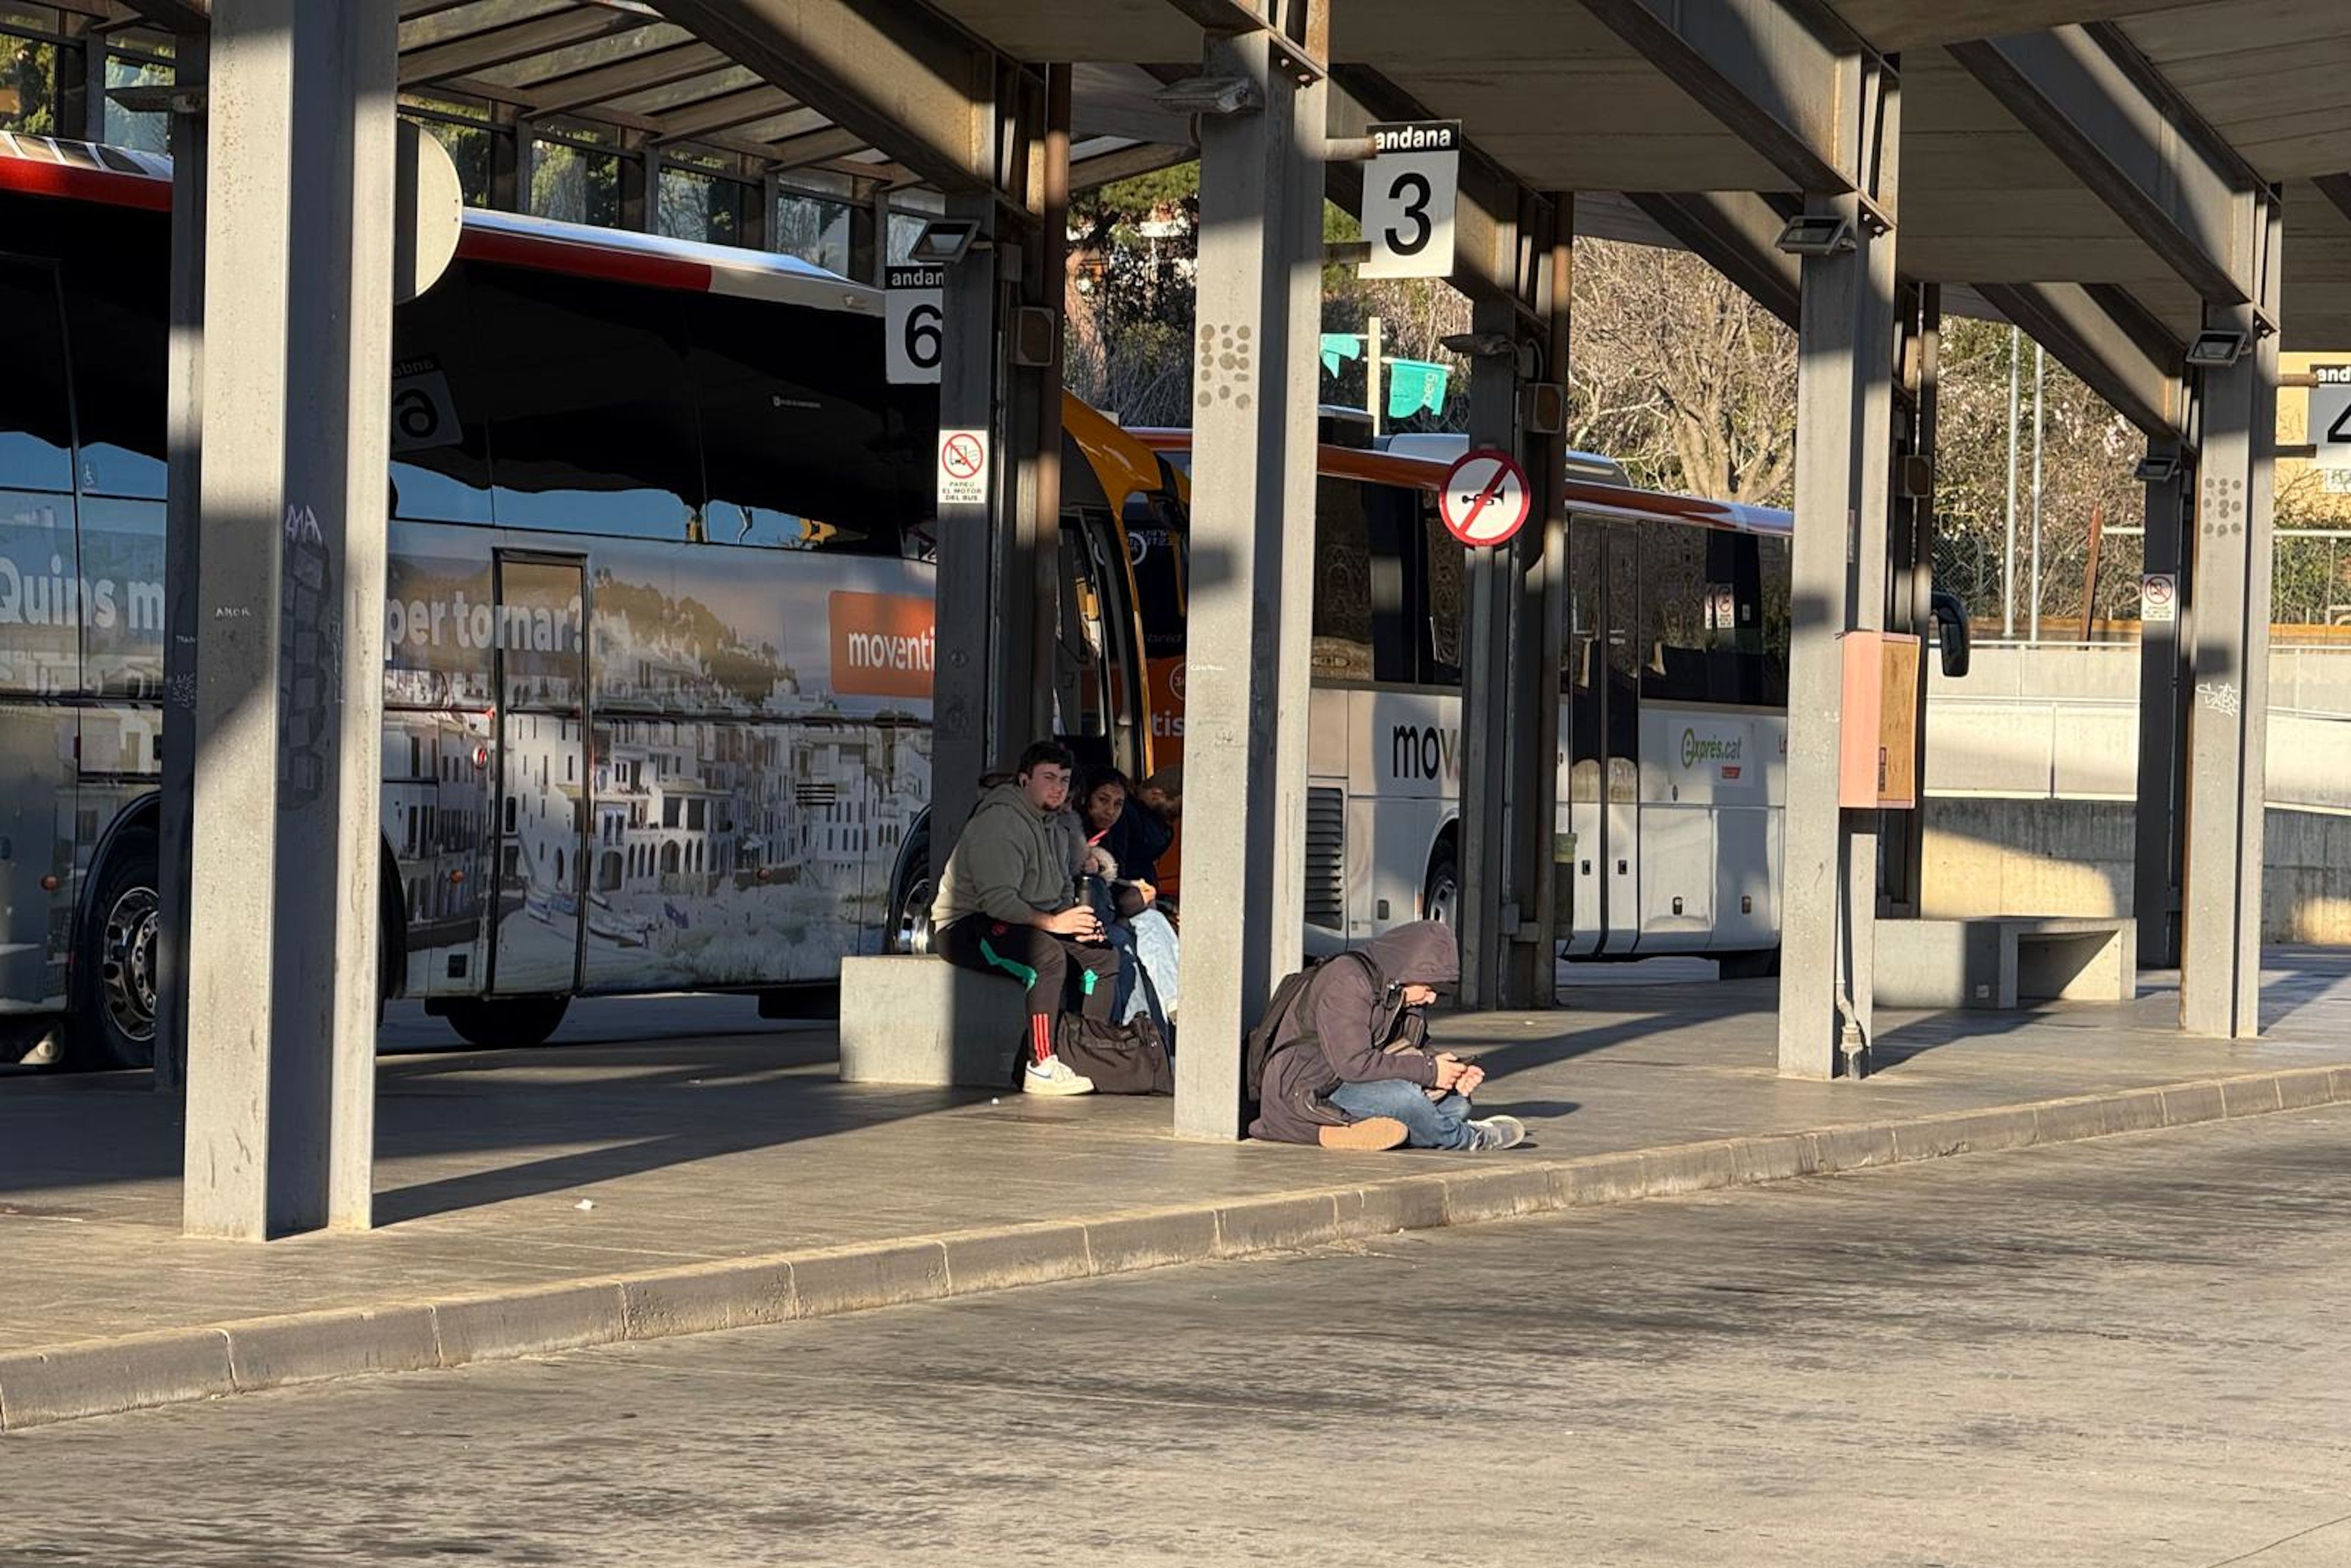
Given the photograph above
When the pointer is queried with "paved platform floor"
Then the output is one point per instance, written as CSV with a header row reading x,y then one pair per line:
x,y
625,1147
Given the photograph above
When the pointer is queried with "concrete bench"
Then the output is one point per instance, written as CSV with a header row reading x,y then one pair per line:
x,y
2001,960
922,1021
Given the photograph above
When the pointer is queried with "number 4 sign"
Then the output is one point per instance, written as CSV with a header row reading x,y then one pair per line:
x,y
2330,415
914,313
1408,192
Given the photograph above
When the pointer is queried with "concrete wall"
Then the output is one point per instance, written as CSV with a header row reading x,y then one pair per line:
x,y
2062,721
1990,855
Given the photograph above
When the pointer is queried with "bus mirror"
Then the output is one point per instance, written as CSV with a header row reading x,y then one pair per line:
x,y
1952,617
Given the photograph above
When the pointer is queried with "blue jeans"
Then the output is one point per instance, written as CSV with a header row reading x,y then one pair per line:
x,y
1428,1124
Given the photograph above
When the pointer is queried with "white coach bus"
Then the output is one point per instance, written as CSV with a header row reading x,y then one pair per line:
x,y
1673,709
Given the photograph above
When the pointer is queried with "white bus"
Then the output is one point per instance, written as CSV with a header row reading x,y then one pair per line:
x,y
1673,710
658,617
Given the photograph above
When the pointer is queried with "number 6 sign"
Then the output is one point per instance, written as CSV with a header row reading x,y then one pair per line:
x,y
1408,193
914,314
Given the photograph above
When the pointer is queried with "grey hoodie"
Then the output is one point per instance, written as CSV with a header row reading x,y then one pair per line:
x,y
1340,1031
1011,863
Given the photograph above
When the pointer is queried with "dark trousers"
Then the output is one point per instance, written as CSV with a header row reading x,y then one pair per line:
x,y
1045,964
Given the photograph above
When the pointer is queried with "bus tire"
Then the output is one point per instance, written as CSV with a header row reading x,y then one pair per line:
x,y
506,1023
112,1021
910,901
1440,895
1754,966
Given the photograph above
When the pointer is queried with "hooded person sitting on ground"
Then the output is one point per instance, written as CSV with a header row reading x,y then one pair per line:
x,y
1350,1066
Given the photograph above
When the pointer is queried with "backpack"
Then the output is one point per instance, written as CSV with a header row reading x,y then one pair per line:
x,y
1121,1058
1260,1047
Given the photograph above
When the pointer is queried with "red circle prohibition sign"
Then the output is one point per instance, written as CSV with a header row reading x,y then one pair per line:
x,y
962,456
1485,501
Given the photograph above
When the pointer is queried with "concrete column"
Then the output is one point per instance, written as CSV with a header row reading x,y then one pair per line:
x,y
1828,896
1248,638
2227,724
1489,602
2163,688
966,739
182,561
1531,973
296,434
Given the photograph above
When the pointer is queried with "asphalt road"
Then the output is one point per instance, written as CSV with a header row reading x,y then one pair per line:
x,y
2130,1352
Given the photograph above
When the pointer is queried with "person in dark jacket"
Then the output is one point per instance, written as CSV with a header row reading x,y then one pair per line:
x,y
1350,1066
1131,832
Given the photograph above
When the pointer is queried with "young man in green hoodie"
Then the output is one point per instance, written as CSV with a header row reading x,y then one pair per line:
x,y
1008,906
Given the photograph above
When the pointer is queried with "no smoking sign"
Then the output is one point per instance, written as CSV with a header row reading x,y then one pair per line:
x,y
963,467
1485,501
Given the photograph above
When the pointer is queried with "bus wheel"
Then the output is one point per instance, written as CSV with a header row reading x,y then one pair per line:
x,y
496,1023
113,1022
1756,965
910,907
1440,899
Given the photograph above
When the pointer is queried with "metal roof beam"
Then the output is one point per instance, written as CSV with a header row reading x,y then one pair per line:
x,y
725,112
503,46
815,147
2335,188
1736,233
177,15
1143,158
641,73
1222,15
2124,356
2134,151
1761,67
893,71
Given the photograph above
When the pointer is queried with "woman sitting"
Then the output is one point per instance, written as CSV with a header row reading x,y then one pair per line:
x,y
1121,829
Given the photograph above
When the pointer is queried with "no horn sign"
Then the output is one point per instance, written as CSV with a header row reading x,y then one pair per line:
x,y
1485,501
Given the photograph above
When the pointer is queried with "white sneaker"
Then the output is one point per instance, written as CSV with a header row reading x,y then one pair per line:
x,y
1054,1076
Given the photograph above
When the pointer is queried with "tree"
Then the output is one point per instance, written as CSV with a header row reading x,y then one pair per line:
x,y
1680,376
2088,455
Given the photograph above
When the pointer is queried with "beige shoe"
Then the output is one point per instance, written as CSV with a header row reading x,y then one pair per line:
x,y
1369,1135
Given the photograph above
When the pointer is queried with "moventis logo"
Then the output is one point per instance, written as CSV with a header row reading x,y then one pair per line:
x,y
883,644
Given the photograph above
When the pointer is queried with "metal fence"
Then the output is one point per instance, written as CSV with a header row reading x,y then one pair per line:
x,y
2310,581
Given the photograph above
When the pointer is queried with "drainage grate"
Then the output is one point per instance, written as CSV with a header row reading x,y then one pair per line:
x,y
1326,858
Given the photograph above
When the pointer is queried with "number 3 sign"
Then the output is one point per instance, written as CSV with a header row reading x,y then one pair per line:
x,y
1408,193
914,314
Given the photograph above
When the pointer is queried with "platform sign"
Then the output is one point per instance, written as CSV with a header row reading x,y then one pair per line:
x,y
914,313
1409,188
2159,597
2330,415
1485,501
963,468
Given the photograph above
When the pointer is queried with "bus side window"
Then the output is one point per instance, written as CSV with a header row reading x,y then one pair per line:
x,y
35,433
440,443
1392,524
1443,584
114,317
40,653
1675,635
591,420
806,445
1342,582
1154,543
1777,617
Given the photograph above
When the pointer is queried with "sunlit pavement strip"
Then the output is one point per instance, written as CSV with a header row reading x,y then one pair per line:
x,y
730,1182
